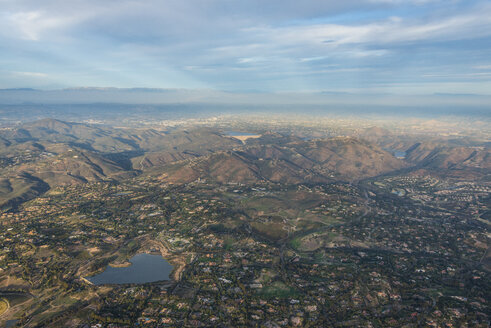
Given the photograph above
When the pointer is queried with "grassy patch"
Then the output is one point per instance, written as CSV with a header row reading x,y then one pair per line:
x,y
229,243
296,242
64,301
270,230
15,299
4,305
277,290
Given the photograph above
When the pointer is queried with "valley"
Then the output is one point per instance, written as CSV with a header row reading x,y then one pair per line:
x,y
278,230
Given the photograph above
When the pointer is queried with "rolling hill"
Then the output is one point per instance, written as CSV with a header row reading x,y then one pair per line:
x,y
48,153
435,156
345,159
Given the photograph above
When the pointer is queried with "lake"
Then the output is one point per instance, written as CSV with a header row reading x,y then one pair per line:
x,y
11,323
397,153
239,134
144,268
400,154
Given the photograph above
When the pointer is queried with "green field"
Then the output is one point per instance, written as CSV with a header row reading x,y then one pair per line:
x,y
4,305
277,290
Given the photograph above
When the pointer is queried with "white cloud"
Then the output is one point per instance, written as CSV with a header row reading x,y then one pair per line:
x,y
31,74
463,26
33,25
482,67
312,59
247,60
315,42
233,44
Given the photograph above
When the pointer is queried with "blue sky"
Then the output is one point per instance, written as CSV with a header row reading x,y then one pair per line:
x,y
367,47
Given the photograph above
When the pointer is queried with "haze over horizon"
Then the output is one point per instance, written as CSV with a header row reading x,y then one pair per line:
x,y
366,48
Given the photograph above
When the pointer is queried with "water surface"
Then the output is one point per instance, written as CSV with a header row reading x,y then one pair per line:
x,y
400,154
144,268
239,134
11,323
396,153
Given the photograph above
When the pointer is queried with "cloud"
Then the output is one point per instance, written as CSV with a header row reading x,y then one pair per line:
x,y
31,74
152,20
254,44
393,30
482,67
34,21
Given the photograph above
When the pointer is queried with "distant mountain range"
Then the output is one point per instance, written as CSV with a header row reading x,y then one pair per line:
x,y
292,102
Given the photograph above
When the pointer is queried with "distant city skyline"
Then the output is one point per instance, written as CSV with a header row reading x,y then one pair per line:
x,y
413,47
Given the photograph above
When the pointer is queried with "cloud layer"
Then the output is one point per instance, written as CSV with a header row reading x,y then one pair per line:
x,y
379,46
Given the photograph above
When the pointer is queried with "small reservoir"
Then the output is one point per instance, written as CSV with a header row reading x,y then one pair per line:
x,y
399,154
240,134
144,268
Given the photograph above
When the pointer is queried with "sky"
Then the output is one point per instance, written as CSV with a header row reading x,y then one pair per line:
x,y
403,47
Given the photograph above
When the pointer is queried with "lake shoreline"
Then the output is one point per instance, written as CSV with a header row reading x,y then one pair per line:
x,y
242,136
120,264
142,268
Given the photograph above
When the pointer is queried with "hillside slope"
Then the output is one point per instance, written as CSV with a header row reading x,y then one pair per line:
x,y
345,159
